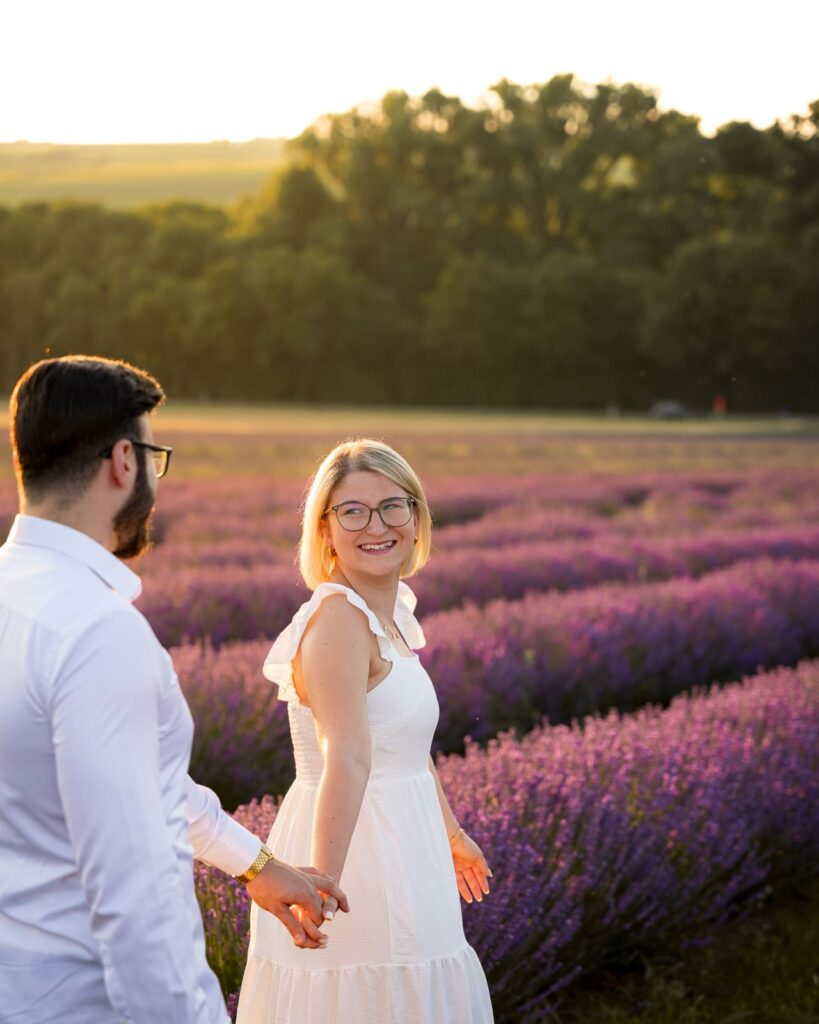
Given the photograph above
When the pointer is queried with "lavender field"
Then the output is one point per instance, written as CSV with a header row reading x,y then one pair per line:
x,y
620,626
627,833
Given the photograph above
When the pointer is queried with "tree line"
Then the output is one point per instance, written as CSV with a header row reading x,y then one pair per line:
x,y
562,246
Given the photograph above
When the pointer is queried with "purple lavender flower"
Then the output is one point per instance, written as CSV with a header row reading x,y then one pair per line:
x,y
622,835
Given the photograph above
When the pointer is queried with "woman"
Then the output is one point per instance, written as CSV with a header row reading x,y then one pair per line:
x,y
367,806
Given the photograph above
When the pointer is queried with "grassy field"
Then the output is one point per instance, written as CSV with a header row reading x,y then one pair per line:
x,y
136,175
287,442
248,417
761,970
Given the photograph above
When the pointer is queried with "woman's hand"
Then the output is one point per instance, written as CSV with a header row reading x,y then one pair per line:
x,y
471,869
299,897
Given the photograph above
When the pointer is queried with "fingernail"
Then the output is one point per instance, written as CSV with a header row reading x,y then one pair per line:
x,y
491,875
328,915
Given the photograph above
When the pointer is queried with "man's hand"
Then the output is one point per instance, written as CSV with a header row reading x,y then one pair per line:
x,y
278,887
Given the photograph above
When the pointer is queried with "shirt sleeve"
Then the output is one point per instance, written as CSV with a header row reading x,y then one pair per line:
x,y
218,839
107,693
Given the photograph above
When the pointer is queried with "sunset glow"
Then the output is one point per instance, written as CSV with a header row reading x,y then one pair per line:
x,y
97,72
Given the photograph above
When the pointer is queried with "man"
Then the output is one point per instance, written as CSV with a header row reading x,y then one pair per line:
x,y
99,820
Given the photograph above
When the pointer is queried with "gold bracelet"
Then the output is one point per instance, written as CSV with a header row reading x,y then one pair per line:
x,y
265,855
456,835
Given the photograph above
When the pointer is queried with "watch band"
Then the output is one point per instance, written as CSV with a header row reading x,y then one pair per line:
x,y
265,855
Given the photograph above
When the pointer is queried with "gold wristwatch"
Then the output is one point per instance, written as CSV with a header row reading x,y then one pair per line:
x,y
265,854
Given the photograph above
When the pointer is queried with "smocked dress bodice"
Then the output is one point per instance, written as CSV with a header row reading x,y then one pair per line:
x,y
402,709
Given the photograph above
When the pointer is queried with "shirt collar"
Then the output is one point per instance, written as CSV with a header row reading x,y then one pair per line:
x,y
45,533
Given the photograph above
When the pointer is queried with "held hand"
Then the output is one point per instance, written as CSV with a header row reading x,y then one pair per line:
x,y
278,887
333,898
471,869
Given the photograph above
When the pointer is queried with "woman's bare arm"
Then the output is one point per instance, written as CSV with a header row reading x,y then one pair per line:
x,y
450,820
472,873
335,658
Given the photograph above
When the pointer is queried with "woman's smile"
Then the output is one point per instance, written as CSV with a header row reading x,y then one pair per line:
x,y
377,547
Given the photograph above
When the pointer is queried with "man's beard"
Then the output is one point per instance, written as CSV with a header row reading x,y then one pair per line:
x,y
132,524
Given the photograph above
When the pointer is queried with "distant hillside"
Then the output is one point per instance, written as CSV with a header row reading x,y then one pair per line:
x,y
211,172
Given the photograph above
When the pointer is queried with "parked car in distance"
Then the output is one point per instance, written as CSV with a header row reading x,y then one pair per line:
x,y
670,409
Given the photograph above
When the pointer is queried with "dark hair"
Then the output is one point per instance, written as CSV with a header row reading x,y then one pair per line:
x,y
65,412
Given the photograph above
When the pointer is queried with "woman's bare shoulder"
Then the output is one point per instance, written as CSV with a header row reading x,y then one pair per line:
x,y
336,622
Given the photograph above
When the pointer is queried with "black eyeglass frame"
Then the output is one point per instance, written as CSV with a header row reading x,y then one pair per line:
x,y
412,503
165,449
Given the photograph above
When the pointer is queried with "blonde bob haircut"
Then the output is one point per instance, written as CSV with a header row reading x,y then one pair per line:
x,y
315,561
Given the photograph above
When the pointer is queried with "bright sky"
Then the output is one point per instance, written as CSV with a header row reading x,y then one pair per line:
x,y
197,70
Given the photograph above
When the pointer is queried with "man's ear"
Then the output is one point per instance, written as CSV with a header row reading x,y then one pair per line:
x,y
123,463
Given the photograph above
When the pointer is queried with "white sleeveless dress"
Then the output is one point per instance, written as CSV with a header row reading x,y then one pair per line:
x,y
399,956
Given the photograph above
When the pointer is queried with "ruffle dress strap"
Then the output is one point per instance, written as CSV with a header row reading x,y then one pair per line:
x,y
278,665
405,618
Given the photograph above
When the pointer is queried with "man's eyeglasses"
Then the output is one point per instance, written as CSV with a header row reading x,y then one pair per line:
x,y
355,515
160,453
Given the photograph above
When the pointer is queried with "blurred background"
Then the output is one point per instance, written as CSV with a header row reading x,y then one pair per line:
x,y
526,208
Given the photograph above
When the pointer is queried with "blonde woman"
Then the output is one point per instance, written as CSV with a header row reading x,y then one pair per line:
x,y
367,806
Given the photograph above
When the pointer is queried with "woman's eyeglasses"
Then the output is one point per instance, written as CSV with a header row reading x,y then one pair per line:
x,y
355,515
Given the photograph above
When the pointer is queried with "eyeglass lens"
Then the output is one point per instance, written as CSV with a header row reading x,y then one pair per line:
x,y
354,515
161,462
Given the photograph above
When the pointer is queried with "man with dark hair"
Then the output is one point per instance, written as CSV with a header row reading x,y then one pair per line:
x,y
99,821
65,415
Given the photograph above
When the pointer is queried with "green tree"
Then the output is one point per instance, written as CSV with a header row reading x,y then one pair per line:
x,y
561,332
724,319
296,327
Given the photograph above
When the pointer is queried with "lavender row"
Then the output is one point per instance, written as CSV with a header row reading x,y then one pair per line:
x,y
511,664
638,834
220,603
567,656
266,507
480,576
239,538
233,601
662,514
241,745
477,510
229,552
628,835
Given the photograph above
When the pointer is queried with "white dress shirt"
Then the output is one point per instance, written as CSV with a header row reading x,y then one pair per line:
x,y
99,820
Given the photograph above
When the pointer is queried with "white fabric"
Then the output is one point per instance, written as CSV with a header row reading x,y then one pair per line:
x,y
278,666
98,916
400,956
